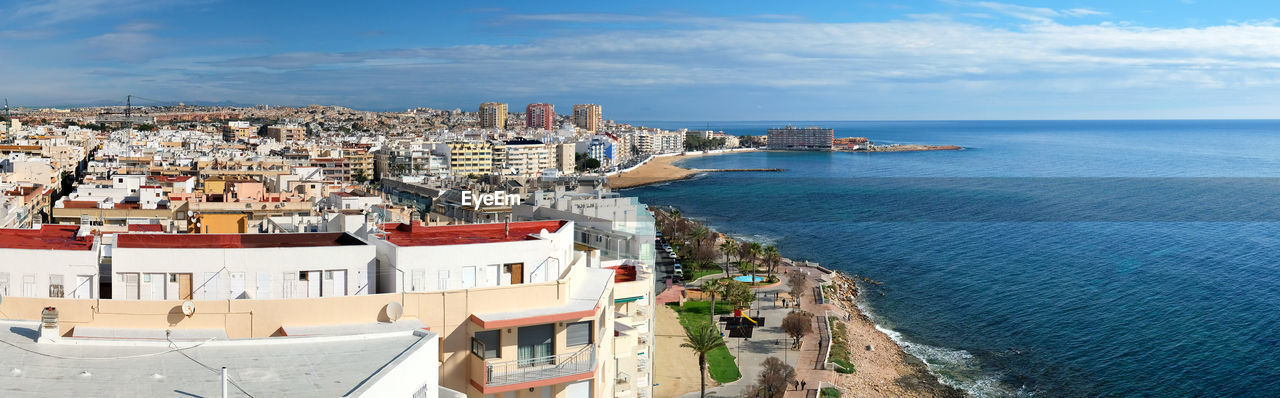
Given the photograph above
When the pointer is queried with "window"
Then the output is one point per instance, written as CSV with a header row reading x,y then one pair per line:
x,y
487,344
4,283
302,275
55,286
578,333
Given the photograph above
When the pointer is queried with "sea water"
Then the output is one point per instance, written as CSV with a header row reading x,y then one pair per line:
x,y
1048,258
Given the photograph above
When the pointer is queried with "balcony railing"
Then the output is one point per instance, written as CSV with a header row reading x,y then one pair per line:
x,y
540,368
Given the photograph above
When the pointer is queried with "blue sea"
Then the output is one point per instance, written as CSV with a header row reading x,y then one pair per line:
x,y
1048,258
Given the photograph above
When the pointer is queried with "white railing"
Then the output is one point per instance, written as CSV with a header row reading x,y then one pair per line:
x,y
540,368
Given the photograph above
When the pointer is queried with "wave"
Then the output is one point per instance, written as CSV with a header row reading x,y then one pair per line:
x,y
953,367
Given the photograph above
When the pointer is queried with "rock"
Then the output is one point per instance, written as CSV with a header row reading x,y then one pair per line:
x,y
869,348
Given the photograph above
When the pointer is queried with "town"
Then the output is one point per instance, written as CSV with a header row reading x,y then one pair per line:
x,y
488,246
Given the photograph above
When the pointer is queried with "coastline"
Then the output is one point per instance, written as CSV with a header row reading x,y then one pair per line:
x,y
658,170
887,369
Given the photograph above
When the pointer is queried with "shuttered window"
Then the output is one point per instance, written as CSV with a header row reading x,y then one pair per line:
x,y
578,333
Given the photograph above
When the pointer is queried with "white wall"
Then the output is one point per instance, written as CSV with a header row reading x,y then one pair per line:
x,y
417,372
424,267
261,272
40,264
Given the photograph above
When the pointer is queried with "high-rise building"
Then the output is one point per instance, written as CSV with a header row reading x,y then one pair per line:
x,y
540,116
287,132
792,138
586,116
493,115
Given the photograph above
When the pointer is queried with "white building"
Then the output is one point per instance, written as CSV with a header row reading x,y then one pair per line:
x,y
53,261
240,266
419,259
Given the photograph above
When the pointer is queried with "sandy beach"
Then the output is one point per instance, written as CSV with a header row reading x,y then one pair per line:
x,y
657,170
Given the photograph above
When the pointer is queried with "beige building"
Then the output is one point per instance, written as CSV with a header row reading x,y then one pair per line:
x,y
522,157
287,133
587,116
565,157
467,157
493,115
234,131
521,311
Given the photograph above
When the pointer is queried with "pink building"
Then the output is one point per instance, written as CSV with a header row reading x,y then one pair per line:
x,y
540,116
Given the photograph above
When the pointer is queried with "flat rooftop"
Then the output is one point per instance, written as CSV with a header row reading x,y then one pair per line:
x,y
48,237
418,235
235,241
330,366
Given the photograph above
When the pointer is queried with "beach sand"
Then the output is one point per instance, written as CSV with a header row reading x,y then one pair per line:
x,y
657,170
675,368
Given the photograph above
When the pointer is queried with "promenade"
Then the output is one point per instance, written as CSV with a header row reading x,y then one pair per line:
x,y
770,340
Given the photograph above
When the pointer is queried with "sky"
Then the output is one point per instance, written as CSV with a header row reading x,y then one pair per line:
x,y
659,59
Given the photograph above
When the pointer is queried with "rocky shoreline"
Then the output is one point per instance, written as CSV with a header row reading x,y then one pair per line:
x,y
885,369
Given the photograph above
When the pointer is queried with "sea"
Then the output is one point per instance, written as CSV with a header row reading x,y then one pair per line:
x,y
1047,258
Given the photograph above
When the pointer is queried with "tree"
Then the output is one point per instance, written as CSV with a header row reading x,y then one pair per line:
x,y
589,164
799,283
728,248
754,251
773,379
772,258
359,176
702,338
713,287
796,325
145,127
738,293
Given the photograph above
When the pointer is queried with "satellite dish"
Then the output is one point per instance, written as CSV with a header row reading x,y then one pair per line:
x,y
394,311
190,213
188,308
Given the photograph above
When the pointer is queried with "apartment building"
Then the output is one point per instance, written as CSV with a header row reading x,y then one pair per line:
x,y
793,138
540,116
287,133
235,131
240,266
493,115
54,261
522,157
566,157
467,157
587,116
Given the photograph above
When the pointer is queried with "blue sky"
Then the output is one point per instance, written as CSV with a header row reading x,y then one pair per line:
x,y
661,60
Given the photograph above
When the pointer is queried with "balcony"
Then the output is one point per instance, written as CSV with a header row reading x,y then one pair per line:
x,y
532,370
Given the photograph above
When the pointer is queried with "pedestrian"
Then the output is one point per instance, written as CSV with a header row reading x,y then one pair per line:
x,y
802,383
796,383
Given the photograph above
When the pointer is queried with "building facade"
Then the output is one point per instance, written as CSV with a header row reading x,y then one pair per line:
x,y
493,115
793,138
587,116
540,116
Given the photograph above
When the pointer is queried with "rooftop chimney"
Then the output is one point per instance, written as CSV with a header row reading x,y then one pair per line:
x,y
49,331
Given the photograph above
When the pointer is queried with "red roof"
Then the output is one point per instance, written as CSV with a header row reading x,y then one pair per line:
x,y
48,237
234,241
624,273
418,235
169,179
146,228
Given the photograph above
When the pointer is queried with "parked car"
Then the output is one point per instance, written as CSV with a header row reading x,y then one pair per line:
x,y
679,271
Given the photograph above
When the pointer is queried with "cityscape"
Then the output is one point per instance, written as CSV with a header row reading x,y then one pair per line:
x,y
934,198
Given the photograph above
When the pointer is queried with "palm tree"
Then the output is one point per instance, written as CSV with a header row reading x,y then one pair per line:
x,y
713,287
772,258
728,248
698,234
702,338
755,252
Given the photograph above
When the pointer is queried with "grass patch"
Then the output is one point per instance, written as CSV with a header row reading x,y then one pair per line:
x,y
720,362
829,392
701,272
840,347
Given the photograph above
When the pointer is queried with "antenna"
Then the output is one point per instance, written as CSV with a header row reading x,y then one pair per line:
x,y
394,311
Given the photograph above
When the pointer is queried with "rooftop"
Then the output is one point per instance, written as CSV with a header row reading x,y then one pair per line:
x,y
234,241
418,235
329,366
48,237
